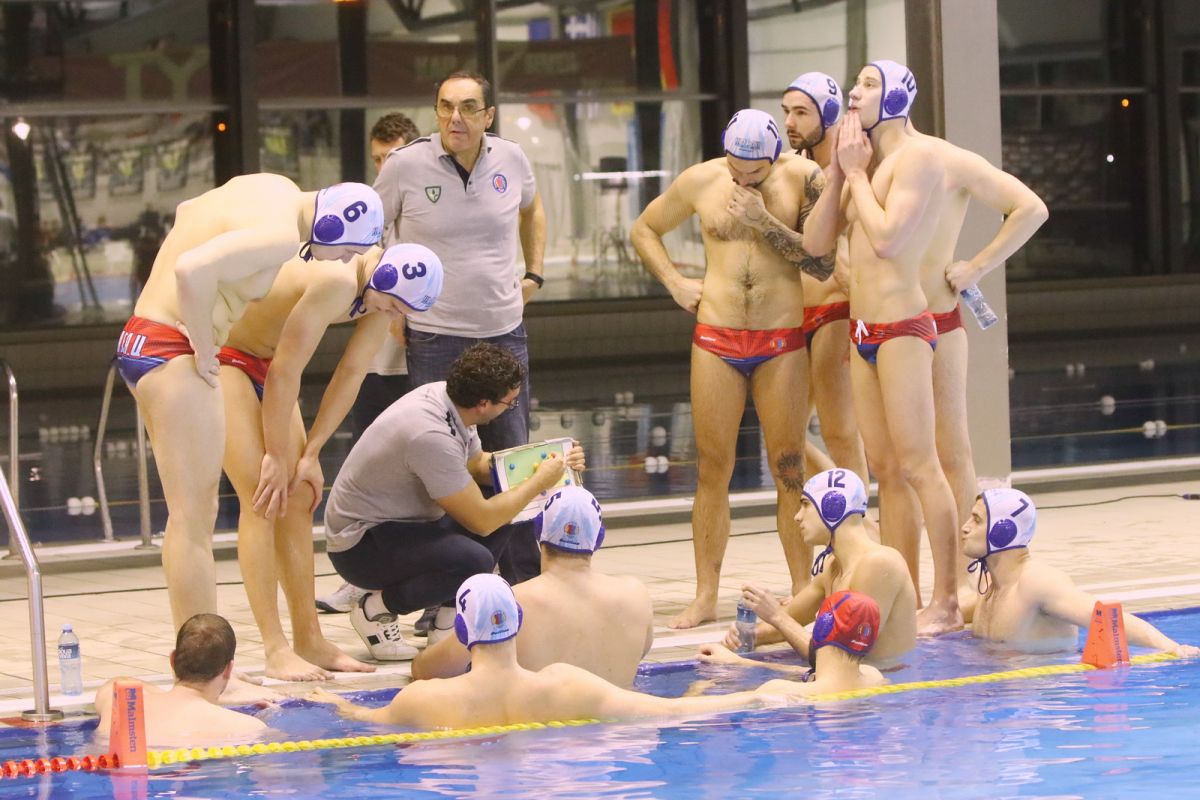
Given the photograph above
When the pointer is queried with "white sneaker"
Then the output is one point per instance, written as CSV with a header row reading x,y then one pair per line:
x,y
443,625
381,634
342,601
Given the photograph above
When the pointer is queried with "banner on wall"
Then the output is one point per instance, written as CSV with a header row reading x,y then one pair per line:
x,y
172,162
81,174
278,151
126,171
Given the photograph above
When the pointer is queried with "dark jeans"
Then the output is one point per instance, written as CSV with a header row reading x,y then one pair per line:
x,y
377,393
429,359
419,564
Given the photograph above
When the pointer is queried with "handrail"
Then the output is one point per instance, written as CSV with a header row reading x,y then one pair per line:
x,y
14,449
143,471
37,617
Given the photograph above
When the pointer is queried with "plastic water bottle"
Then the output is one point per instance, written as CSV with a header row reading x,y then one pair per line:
x,y
978,304
70,665
745,624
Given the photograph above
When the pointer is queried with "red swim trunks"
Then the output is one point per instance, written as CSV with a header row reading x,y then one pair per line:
x,y
867,337
745,350
948,321
145,344
817,317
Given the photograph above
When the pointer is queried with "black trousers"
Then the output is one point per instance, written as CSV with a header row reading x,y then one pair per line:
x,y
419,564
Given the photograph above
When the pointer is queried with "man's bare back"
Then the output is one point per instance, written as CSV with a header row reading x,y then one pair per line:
x,y
601,623
181,716
264,209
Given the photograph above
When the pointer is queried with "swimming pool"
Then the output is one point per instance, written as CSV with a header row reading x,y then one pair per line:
x,y
1097,734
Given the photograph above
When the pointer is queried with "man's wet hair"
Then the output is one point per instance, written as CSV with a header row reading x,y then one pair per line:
x,y
483,372
391,127
484,84
204,647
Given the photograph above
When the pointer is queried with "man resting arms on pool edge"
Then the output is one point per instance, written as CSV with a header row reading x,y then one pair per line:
x,y
1022,602
202,662
499,691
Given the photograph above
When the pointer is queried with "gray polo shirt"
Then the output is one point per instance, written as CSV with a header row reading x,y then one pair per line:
x,y
416,450
473,228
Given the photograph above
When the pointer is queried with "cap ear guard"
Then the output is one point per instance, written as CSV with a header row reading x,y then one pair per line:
x,y
460,629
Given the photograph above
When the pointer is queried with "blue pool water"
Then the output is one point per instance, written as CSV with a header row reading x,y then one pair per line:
x,y
1094,735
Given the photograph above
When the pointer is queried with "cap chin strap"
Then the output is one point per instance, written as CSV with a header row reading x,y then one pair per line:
x,y
984,582
819,564
306,253
359,306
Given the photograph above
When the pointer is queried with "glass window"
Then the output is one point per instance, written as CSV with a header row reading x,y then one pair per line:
x,y
105,190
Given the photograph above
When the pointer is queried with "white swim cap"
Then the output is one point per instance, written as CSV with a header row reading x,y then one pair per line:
x,y
836,494
898,91
1010,523
752,134
346,214
411,273
487,611
825,94
571,521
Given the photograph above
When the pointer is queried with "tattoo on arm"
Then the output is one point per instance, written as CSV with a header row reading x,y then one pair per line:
x,y
819,268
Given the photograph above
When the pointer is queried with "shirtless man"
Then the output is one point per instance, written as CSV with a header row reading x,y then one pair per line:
x,y
968,176
844,632
812,106
892,216
832,514
223,252
499,691
1024,603
749,333
277,337
188,713
600,623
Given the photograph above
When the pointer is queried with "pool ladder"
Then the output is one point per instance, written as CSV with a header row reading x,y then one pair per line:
x,y
19,543
143,473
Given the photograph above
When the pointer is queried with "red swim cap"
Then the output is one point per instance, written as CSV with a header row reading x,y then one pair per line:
x,y
849,620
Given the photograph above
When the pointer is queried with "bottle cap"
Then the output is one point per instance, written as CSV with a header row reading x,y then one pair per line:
x,y
67,627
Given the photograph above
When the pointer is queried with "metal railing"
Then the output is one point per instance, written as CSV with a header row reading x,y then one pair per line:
x,y
19,544
143,470
14,450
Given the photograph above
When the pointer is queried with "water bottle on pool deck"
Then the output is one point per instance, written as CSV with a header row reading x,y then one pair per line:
x,y
70,664
974,300
745,624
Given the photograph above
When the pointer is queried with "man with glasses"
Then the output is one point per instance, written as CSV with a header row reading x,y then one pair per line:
x,y
406,518
469,196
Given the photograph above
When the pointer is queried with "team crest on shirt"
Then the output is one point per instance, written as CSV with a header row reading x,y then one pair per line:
x,y
434,193
500,183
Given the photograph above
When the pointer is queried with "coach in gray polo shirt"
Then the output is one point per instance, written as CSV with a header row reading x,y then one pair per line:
x,y
469,197
406,517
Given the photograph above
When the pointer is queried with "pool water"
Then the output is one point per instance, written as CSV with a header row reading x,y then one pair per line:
x,y
1094,735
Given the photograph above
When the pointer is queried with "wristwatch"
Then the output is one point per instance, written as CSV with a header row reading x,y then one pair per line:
x,y
533,276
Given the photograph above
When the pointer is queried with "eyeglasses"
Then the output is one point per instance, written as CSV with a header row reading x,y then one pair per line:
x,y
467,110
516,401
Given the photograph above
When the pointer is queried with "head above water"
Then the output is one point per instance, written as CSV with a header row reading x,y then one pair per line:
x,y
829,499
204,647
812,103
348,220
570,521
885,90
1002,519
486,612
408,278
